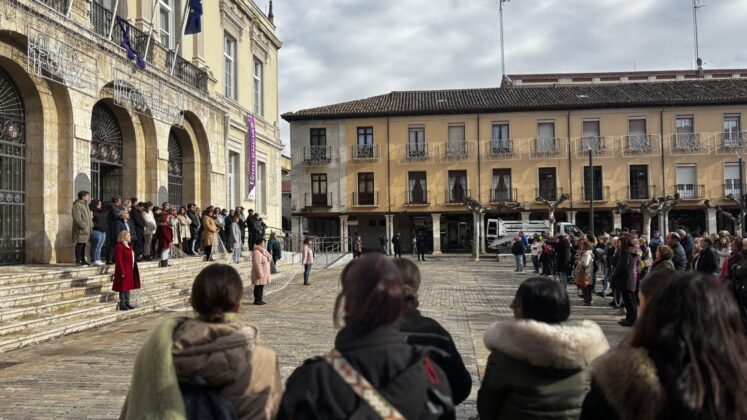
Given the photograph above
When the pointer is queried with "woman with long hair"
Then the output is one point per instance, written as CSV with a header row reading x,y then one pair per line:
x,y
126,273
372,367
307,259
209,232
98,232
186,359
184,222
683,360
537,368
260,270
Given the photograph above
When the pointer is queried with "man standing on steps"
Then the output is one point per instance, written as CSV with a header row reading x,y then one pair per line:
x,y
194,228
113,211
81,226
136,213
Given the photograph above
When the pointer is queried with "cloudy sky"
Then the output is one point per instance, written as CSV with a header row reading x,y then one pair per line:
x,y
340,50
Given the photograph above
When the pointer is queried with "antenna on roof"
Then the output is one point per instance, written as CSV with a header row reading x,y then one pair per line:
x,y
504,78
698,60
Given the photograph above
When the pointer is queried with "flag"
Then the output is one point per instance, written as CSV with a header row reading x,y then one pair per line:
x,y
132,54
194,20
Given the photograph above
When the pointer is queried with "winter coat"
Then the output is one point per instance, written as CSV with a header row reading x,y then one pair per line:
x,y
235,235
128,226
687,246
680,259
587,262
396,242
260,266
184,224
517,248
138,220
195,223
81,222
174,223
316,391
661,266
423,331
307,255
537,370
536,248
99,221
563,256
227,355
126,273
150,223
625,274
208,224
654,245
273,247
625,386
358,245
165,237
708,261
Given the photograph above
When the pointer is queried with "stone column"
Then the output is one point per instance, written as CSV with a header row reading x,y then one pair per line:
x,y
616,220
484,245
343,233
570,216
711,220
436,233
664,223
389,232
525,216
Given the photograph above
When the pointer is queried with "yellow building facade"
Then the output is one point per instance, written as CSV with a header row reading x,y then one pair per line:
x,y
405,161
107,96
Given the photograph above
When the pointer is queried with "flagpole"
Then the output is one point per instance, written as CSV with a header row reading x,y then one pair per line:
x,y
150,33
69,8
114,18
181,35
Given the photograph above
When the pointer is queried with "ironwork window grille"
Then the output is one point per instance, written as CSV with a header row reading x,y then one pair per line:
x,y
106,153
731,180
732,135
416,143
12,173
546,143
686,181
60,6
685,138
176,170
501,140
456,147
364,146
259,94
101,18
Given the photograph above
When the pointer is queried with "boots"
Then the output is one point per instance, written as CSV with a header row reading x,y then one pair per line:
x,y
122,306
127,301
163,263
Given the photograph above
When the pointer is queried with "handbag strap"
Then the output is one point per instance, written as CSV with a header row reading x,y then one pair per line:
x,y
362,387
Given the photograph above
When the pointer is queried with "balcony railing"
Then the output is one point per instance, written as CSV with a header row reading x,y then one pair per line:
x,y
548,193
365,199
60,6
640,145
413,198
732,189
415,153
548,148
731,142
364,152
502,195
688,144
461,150
600,146
317,155
318,200
641,192
690,191
187,72
601,193
498,149
456,196
102,21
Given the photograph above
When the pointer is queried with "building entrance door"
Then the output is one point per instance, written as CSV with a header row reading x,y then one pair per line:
x,y
12,173
106,154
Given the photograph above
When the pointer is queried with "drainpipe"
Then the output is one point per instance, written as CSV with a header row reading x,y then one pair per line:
x,y
570,159
661,139
226,128
478,226
388,171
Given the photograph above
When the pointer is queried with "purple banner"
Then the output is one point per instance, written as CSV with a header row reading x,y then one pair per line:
x,y
251,155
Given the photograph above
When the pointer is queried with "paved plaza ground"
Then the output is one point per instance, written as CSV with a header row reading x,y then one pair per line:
x,y
86,375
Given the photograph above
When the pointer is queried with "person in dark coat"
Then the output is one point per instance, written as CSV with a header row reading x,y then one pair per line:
x,y
517,249
624,278
537,368
680,257
397,244
371,303
139,221
273,246
708,258
687,242
126,273
420,245
563,253
683,360
125,223
113,211
194,228
424,331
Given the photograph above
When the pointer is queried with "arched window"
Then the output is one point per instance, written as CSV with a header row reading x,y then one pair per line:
x,y
106,153
12,173
176,165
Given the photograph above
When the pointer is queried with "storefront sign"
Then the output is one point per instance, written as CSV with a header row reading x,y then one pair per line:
x,y
55,60
251,156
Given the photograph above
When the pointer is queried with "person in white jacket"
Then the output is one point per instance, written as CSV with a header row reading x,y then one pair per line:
x,y
149,230
536,249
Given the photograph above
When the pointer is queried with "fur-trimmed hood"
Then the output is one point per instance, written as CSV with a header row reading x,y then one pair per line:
x,y
627,377
568,345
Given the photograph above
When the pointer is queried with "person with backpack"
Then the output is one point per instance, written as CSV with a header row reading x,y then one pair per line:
x,y
372,372
424,331
211,366
537,368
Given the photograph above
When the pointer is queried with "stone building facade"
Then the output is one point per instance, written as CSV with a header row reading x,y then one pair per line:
x,y
105,96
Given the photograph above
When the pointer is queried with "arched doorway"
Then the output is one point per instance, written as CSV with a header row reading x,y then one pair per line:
x,y
176,169
12,173
106,154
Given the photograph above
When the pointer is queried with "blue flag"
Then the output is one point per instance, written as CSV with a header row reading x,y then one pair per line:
x,y
194,19
132,54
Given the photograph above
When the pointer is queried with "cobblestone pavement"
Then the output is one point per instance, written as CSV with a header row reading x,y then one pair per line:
x,y
86,375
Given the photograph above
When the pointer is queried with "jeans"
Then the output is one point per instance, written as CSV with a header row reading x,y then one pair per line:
x,y
519,262
536,263
606,280
306,272
97,242
237,253
564,278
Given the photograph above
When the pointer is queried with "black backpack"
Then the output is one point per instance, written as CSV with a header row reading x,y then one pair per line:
x,y
205,402
738,282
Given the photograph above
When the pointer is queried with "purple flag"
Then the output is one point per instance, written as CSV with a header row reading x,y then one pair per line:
x,y
251,155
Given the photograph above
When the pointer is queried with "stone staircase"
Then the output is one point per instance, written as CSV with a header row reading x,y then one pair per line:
x,y
42,302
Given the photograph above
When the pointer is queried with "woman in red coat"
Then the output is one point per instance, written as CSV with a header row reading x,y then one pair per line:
x,y
165,238
126,274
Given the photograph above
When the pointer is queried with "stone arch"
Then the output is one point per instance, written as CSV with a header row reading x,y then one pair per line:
x,y
198,163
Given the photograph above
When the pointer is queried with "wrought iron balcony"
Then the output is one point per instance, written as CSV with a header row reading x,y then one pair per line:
x,y
415,153
497,149
690,191
688,144
503,195
365,199
461,150
730,142
600,146
601,193
60,6
187,72
641,192
732,189
318,200
317,155
548,148
365,152
416,198
548,193
454,196
640,145
102,21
